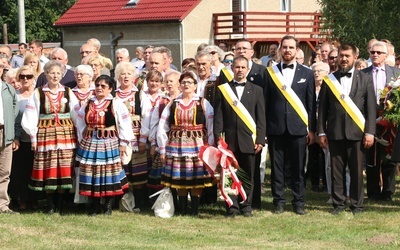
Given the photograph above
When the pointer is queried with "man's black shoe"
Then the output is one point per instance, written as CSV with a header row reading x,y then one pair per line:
x,y
279,209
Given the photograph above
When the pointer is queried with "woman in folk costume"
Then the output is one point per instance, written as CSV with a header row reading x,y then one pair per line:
x,y
47,120
136,169
84,91
151,98
171,81
186,124
104,131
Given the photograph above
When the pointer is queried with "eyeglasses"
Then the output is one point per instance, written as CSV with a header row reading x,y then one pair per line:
x,y
372,52
94,65
332,57
103,86
228,61
187,82
80,74
22,77
319,71
213,52
86,52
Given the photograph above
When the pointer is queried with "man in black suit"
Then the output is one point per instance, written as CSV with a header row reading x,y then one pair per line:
x,y
243,140
257,75
347,135
376,156
288,130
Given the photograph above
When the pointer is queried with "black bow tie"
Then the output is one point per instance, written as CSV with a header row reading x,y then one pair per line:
x,y
235,83
342,74
291,66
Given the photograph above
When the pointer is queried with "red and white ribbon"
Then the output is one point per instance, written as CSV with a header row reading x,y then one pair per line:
x,y
212,157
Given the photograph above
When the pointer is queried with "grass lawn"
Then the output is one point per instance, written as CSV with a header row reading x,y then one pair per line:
x,y
377,228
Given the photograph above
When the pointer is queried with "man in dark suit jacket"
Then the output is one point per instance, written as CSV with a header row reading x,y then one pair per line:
x,y
376,162
257,75
346,138
287,133
68,78
237,135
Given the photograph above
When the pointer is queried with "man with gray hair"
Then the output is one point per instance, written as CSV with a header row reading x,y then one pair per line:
x,y
167,56
122,55
139,60
68,79
97,45
381,75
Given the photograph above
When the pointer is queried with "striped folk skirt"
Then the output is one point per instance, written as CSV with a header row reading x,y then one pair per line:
x,y
154,181
101,172
185,173
137,170
52,167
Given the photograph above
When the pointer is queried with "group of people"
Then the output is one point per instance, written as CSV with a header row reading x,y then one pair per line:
x,y
102,132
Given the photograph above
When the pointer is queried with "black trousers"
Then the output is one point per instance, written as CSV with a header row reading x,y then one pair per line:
x,y
388,169
247,163
292,148
347,153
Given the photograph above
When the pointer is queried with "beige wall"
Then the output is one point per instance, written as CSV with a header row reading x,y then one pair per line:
x,y
275,5
160,34
198,25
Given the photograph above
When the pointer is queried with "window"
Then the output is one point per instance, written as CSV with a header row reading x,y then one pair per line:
x,y
132,3
285,5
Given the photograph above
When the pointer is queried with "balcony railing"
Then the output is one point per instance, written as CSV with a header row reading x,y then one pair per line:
x,y
269,26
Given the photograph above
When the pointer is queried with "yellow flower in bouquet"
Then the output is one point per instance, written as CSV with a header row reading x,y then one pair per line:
x,y
391,101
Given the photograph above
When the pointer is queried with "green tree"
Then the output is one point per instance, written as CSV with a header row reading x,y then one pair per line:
x,y
40,16
358,21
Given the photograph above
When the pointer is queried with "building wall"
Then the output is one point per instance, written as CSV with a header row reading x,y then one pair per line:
x,y
197,27
160,34
275,5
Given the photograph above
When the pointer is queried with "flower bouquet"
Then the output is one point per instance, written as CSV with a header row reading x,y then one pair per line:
x,y
389,115
223,166
390,98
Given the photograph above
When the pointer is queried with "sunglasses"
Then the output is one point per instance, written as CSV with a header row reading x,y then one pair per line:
x,y
228,61
332,57
372,52
103,86
22,77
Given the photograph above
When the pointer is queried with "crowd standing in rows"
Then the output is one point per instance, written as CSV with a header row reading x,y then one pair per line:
x,y
103,132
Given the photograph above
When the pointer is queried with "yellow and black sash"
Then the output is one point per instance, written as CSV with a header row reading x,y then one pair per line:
x,y
239,109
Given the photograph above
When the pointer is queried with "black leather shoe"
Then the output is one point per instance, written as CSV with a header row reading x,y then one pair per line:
x,y
338,210
279,209
299,210
356,211
248,214
231,214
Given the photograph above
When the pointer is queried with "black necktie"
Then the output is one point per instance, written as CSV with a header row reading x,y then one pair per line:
x,y
342,74
291,66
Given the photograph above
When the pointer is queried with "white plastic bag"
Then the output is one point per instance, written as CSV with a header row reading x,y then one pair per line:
x,y
164,205
128,201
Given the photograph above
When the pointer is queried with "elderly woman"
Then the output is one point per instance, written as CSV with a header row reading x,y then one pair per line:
x,y
33,61
186,124
128,93
47,120
22,162
171,81
84,91
104,131
12,79
216,54
97,64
